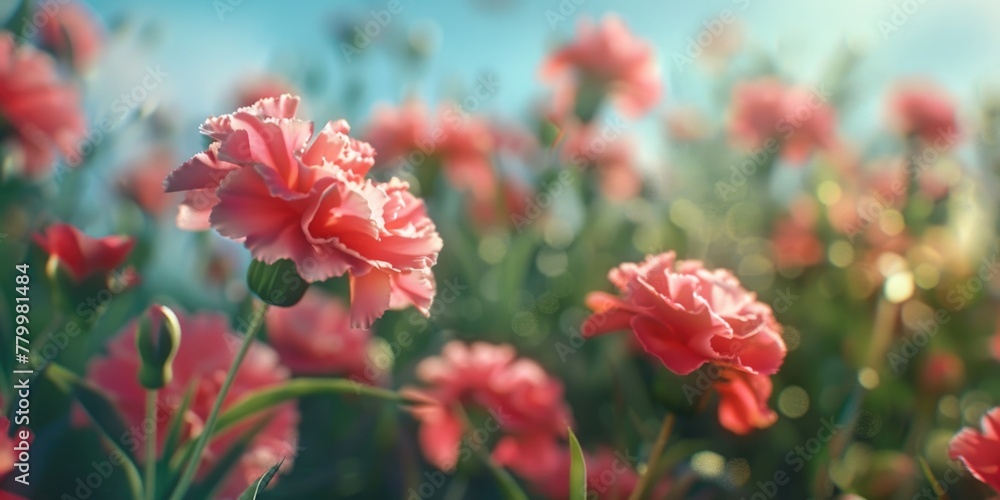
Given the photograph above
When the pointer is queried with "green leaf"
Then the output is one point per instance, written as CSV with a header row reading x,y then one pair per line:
x,y
577,470
215,477
266,399
258,486
511,490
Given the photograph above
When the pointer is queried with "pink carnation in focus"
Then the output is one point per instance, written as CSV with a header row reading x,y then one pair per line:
x,y
520,398
207,349
72,31
40,109
609,57
767,114
314,337
924,110
980,451
267,182
686,316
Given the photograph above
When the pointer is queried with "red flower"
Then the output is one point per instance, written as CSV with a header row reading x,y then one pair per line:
x,y
262,182
924,110
610,59
82,255
41,111
72,31
207,349
314,337
743,401
687,316
521,398
980,451
796,119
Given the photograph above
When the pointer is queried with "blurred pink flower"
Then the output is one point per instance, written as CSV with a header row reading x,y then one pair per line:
x,y
395,132
263,183
207,349
314,337
142,182
261,87
72,31
767,114
521,399
743,401
796,244
82,255
610,156
925,110
41,110
980,451
607,58
686,316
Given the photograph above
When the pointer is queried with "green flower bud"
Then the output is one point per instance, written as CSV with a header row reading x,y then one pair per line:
x,y
278,284
157,339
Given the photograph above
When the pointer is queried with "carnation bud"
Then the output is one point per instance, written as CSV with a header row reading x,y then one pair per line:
x,y
157,339
278,284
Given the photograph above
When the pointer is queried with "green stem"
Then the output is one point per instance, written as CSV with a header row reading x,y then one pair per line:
x,y
188,476
151,445
654,458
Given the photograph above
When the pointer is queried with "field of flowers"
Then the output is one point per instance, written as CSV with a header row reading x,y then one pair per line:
x,y
300,295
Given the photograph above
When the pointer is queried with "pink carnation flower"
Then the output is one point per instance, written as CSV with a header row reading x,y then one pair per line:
x,y
686,316
206,351
41,110
609,57
521,399
264,183
767,113
980,451
924,110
